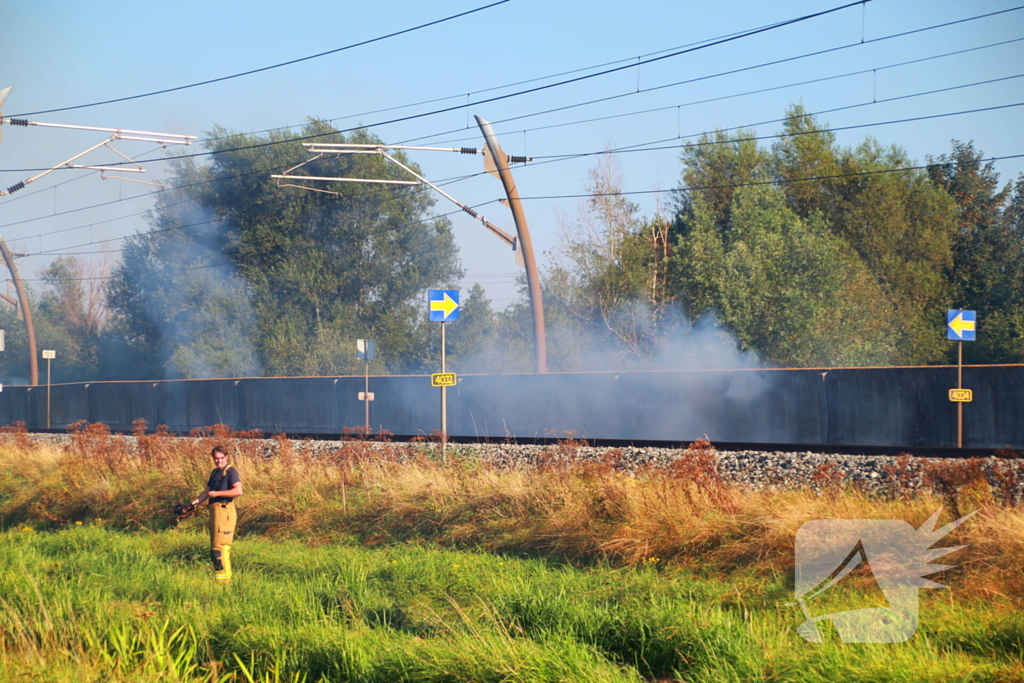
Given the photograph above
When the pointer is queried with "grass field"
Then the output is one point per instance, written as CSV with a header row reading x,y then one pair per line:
x,y
360,568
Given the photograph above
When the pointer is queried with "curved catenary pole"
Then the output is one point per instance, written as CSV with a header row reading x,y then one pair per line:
x,y
524,241
26,313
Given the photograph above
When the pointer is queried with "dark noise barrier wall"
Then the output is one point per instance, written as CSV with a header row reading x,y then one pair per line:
x,y
861,406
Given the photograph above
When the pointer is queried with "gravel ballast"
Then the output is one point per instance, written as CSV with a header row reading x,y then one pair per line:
x,y
773,470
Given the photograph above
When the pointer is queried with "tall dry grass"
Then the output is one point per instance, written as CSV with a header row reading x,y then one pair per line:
x,y
380,493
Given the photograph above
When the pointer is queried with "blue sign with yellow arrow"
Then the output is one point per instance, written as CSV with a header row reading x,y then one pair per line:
x,y
960,325
443,305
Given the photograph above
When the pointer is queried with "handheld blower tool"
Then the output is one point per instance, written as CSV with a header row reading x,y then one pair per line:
x,y
184,511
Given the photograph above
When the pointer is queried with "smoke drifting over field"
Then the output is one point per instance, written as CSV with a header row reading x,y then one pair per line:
x,y
670,380
189,306
636,340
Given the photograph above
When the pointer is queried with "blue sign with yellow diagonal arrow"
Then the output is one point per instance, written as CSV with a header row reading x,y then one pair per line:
x,y
443,305
960,325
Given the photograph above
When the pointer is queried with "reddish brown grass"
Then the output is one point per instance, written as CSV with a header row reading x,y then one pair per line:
x,y
380,492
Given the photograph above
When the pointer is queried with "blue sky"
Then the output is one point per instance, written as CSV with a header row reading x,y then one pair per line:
x,y
59,54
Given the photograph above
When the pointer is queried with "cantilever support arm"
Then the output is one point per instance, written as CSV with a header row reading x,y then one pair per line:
x,y
64,164
501,234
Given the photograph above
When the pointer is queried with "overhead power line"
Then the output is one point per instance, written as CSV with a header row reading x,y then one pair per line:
x,y
889,66
267,68
823,79
787,181
739,34
636,148
643,146
633,62
224,263
542,160
25,195
58,251
658,56
677,53
639,147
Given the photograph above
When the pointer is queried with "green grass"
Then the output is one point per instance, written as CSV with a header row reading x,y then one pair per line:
x,y
386,565
90,604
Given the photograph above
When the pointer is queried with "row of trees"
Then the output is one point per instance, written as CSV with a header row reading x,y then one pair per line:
x,y
808,253
802,253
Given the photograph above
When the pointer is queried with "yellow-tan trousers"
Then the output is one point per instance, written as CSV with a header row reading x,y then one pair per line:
x,y
222,533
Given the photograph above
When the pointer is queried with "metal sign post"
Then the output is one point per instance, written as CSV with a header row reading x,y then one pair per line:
x,y
960,405
366,350
444,401
960,327
443,307
48,355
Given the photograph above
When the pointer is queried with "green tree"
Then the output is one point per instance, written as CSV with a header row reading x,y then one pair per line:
x,y
902,226
14,361
1002,328
74,315
182,309
317,269
472,340
70,317
889,233
790,290
806,150
607,281
987,272
713,168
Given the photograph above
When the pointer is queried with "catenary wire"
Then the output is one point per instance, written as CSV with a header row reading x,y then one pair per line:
x,y
785,181
812,81
630,59
677,53
401,106
559,156
505,120
564,124
644,147
225,263
636,149
383,110
700,45
643,90
541,128
58,251
67,250
406,106
267,68
694,80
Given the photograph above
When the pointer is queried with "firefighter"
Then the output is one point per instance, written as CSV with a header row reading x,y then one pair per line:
x,y
221,490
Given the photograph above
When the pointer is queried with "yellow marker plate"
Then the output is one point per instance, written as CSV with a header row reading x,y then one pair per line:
x,y
961,395
443,379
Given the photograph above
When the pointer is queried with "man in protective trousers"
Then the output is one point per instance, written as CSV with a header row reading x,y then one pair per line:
x,y
221,490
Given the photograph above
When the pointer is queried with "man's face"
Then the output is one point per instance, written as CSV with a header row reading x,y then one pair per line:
x,y
220,459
